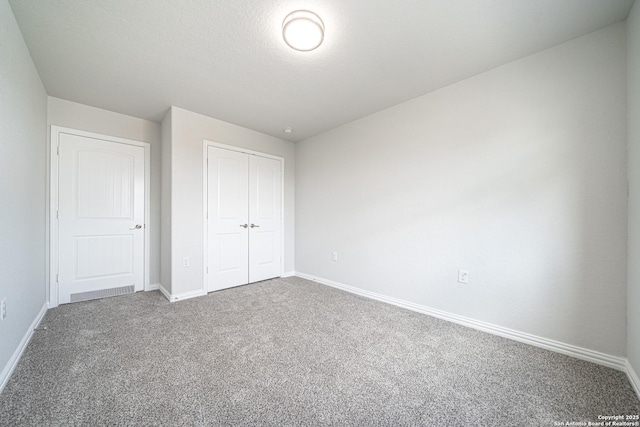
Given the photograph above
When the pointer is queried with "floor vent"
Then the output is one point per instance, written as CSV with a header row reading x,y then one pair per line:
x,y
102,293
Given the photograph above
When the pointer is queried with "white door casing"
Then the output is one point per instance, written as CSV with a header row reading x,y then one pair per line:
x,y
243,216
99,212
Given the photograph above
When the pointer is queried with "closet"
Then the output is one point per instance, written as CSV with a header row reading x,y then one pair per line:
x,y
244,217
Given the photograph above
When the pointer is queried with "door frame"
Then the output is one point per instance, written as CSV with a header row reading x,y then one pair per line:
x,y
54,144
205,202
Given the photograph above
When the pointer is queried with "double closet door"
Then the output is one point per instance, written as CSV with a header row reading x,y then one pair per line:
x,y
244,218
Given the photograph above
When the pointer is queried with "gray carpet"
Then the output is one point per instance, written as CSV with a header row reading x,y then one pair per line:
x,y
291,352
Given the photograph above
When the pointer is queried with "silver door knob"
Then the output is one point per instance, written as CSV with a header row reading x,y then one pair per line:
x,y
254,226
244,225
137,227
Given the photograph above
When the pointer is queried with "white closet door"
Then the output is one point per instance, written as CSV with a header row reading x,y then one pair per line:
x,y
101,217
228,211
265,218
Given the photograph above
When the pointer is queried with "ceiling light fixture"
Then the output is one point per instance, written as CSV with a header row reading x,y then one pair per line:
x,y
303,30
287,130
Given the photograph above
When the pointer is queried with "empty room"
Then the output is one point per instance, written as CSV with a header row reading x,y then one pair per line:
x,y
320,212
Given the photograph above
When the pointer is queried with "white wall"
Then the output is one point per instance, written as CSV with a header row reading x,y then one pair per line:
x,y
517,175
633,122
23,127
83,117
165,223
188,130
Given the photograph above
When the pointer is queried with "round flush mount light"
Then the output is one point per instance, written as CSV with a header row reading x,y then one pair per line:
x,y
303,30
287,130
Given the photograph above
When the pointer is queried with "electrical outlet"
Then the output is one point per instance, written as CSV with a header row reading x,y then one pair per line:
x,y
186,262
463,276
334,256
3,308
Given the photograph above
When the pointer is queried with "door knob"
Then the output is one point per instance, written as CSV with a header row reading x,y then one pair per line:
x,y
244,225
137,227
254,226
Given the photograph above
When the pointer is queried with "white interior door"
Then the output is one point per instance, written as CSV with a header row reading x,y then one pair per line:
x,y
265,206
244,218
101,198
228,218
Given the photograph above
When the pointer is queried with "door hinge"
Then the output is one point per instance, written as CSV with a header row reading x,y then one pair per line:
x,y
57,214
628,189
58,150
57,278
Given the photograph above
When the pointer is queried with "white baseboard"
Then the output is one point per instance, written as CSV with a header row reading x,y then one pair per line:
x,y
15,358
619,363
164,292
288,274
182,296
153,287
633,378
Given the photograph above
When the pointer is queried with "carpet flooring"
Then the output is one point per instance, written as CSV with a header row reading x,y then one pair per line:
x,y
290,352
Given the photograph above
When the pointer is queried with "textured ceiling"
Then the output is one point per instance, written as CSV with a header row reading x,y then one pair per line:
x,y
226,58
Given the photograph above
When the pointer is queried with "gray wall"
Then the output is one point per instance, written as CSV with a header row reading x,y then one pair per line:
x,y
82,117
23,127
188,130
517,175
633,121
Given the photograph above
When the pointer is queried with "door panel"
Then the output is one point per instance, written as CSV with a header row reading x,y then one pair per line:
x,y
265,214
100,200
228,204
104,256
105,184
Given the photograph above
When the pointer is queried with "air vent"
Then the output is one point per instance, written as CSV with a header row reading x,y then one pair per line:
x,y
102,293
